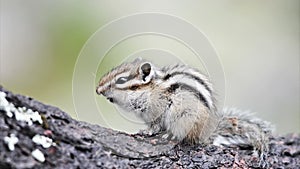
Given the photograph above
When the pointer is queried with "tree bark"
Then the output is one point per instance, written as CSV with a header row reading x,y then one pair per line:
x,y
77,144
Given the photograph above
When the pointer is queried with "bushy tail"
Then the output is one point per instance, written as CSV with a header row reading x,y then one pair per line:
x,y
243,129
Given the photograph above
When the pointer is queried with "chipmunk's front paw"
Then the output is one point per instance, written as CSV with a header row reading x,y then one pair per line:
x,y
148,132
144,132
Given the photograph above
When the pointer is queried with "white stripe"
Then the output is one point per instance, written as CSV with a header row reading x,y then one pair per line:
x,y
190,82
191,71
124,74
201,76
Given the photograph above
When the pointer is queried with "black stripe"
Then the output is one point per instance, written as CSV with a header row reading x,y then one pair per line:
x,y
189,75
183,86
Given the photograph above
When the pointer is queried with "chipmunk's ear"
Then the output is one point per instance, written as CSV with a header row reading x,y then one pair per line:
x,y
146,70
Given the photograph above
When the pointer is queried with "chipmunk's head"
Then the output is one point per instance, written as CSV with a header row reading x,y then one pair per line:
x,y
127,83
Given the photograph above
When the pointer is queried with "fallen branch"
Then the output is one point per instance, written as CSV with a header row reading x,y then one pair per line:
x,y
35,135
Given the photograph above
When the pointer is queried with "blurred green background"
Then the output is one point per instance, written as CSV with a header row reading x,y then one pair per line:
x,y
257,42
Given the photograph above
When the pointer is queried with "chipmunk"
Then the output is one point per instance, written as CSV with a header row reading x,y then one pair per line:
x,y
180,100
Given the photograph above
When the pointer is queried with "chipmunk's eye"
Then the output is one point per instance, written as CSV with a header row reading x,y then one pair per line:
x,y
121,80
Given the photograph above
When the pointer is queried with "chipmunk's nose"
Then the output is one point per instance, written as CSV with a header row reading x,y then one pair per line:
x,y
100,90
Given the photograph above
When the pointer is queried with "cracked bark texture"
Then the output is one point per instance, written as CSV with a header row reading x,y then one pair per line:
x,y
83,145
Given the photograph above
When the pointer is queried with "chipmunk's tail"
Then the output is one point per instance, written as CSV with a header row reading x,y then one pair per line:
x,y
243,129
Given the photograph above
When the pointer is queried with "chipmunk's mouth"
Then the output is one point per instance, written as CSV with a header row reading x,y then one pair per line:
x,y
110,99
